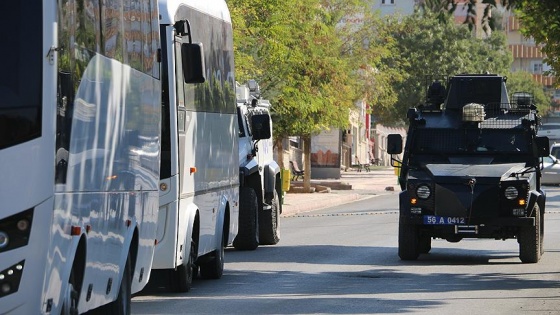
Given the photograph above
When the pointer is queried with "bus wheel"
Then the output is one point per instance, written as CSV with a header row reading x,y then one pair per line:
x,y
120,306
182,277
215,267
71,296
269,222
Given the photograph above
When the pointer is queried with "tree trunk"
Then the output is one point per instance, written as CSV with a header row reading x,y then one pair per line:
x,y
279,152
307,163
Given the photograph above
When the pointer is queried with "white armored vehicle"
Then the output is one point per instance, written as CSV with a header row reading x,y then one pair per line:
x,y
259,174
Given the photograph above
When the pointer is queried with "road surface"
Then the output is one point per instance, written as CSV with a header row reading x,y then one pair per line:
x,y
343,260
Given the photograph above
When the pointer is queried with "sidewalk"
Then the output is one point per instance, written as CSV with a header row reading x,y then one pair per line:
x,y
351,186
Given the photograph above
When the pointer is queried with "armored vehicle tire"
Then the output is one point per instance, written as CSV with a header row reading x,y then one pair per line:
x,y
542,234
409,244
181,278
269,222
530,239
425,244
248,235
214,269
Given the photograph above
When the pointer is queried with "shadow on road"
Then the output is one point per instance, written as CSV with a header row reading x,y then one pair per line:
x,y
339,292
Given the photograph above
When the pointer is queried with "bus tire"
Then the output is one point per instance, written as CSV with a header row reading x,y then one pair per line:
x,y
182,277
72,295
214,268
248,236
120,306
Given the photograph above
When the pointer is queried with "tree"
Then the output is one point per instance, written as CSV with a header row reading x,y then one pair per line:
x,y
540,19
308,61
316,93
523,82
430,49
369,46
282,42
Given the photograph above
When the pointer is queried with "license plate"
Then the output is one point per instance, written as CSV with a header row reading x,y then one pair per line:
x,y
438,220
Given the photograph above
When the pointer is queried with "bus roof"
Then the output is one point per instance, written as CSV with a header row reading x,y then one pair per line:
x,y
215,8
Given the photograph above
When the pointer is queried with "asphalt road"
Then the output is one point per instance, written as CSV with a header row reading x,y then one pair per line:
x,y
343,260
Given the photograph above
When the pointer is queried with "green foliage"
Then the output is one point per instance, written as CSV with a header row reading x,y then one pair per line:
x,y
428,48
523,82
541,20
308,63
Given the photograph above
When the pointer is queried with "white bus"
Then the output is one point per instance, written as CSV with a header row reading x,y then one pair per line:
x,y
199,187
79,154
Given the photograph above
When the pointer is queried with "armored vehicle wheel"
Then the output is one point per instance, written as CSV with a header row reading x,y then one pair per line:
x,y
425,244
268,223
409,244
248,236
530,239
542,233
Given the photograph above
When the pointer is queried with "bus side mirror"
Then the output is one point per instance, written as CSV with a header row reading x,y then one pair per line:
x,y
192,58
394,144
261,127
543,146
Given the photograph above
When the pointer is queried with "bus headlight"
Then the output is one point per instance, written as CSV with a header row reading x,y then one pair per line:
x,y
15,230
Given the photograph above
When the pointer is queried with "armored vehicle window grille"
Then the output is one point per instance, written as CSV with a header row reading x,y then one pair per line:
x,y
472,141
508,115
481,90
437,140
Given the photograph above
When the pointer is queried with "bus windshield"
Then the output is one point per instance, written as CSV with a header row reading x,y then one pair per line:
x,y
21,71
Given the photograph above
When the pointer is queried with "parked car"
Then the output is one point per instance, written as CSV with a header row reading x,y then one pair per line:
x,y
550,171
550,130
555,150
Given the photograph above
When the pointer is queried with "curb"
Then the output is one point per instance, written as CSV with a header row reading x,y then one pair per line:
x,y
352,186
313,203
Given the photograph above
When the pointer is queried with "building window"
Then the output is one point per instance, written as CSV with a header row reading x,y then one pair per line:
x,y
537,68
387,1
295,142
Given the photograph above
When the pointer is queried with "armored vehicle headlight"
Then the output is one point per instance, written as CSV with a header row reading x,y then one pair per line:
x,y
511,193
423,192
